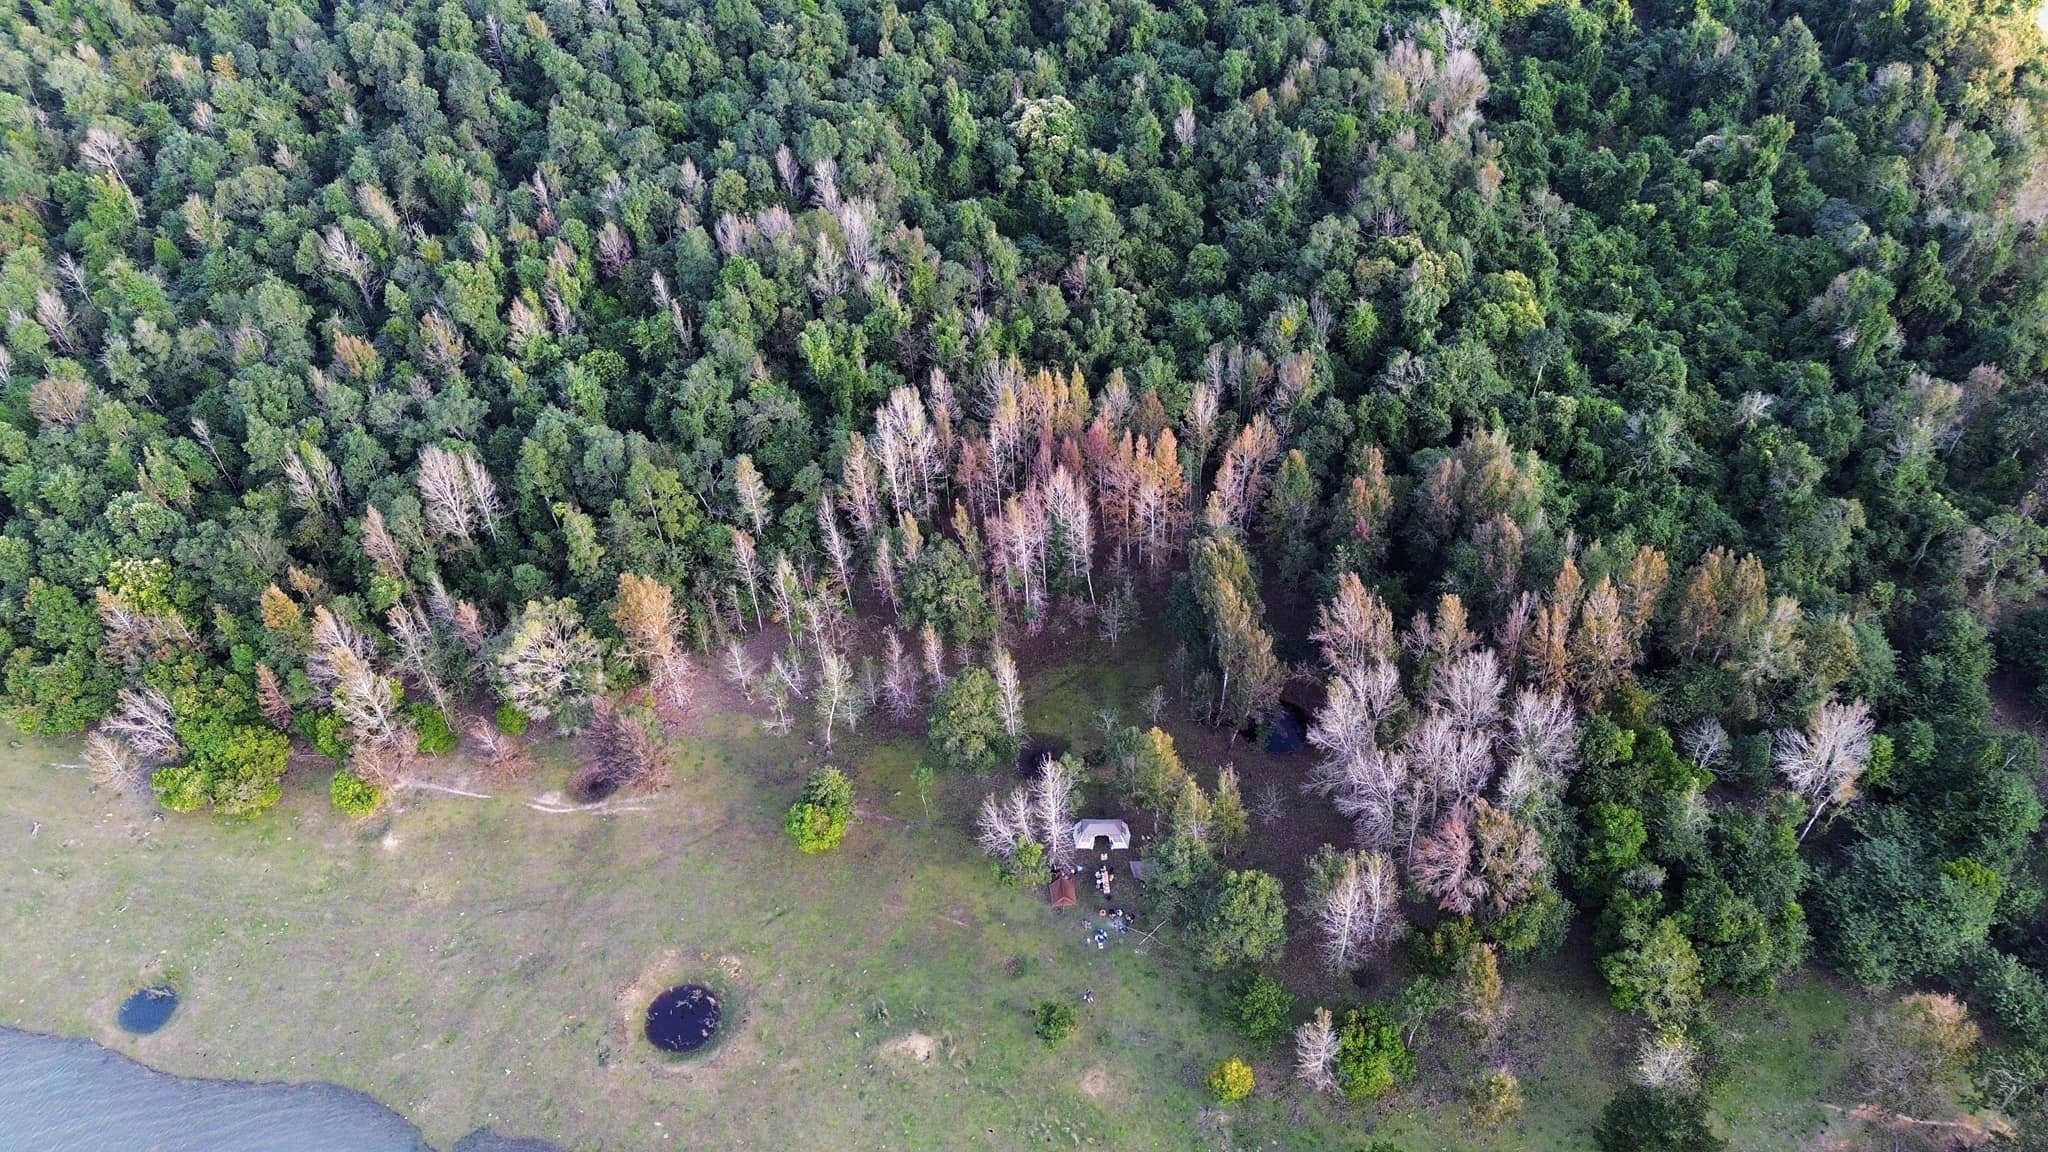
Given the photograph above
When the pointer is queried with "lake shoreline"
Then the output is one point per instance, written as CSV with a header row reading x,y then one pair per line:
x,y
72,1092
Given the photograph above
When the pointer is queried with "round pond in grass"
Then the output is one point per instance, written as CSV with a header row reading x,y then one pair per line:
x,y
148,1010
682,1019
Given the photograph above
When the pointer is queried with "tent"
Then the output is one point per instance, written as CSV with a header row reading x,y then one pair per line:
x,y
1086,831
1061,892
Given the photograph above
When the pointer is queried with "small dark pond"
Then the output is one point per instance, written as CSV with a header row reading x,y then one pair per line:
x,y
1284,729
682,1019
148,1010
1036,753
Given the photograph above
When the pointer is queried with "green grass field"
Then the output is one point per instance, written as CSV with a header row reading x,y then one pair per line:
x,y
478,963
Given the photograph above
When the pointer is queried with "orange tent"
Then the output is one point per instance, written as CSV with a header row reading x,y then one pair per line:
x,y
1062,892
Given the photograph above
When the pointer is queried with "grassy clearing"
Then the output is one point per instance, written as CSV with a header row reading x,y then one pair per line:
x,y
474,963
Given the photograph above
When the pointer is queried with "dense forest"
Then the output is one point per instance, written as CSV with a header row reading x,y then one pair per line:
x,y
1625,422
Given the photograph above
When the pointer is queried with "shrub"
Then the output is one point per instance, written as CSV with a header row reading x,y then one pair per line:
x,y
1232,1081
354,795
1499,1099
511,721
819,818
1371,1057
1421,1000
1438,951
179,787
1053,1021
1537,926
1641,1119
326,732
2008,991
234,768
1259,1008
436,736
1027,868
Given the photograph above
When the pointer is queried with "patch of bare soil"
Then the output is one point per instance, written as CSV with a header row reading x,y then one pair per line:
x,y
1095,1082
912,1048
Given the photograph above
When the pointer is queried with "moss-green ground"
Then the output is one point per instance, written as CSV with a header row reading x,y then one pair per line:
x,y
477,963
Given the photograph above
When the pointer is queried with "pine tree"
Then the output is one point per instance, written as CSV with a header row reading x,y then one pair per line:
x,y
1230,826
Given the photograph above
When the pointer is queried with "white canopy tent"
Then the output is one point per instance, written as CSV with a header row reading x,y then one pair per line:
x,y
1085,832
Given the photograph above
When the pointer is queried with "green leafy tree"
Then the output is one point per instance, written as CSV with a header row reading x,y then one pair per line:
x,y
234,769
966,731
1244,919
1148,769
1658,976
1371,1055
1641,1119
1260,1007
942,589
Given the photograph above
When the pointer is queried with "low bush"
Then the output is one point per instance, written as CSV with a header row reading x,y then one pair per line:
x,y
1260,1009
1232,1081
819,818
436,735
1053,1021
354,795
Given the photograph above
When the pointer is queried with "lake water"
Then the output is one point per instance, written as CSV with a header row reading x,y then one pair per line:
x,y
60,1095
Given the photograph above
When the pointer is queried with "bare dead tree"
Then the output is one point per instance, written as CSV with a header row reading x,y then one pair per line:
x,y
752,492
64,401
414,638
835,700
1052,797
934,649
908,447
859,492
747,562
271,698
112,764
779,719
1441,865
1010,692
1067,515
1467,688
1706,743
343,257
1315,1052
624,751
1354,629
1355,903
502,754
445,494
837,549
144,718
1823,762
738,668
998,830
899,680
1270,806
